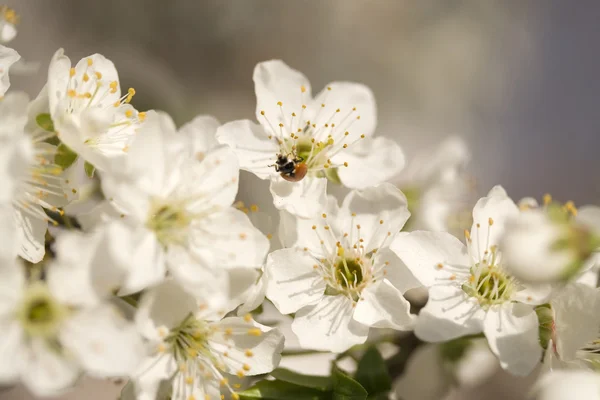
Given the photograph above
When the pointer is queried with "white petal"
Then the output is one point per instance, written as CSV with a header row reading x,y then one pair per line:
x,y
200,135
254,297
12,342
275,81
422,252
396,271
231,238
383,306
32,235
354,100
370,163
380,212
213,181
576,319
251,145
298,232
148,262
449,314
329,325
46,372
304,199
534,293
165,305
58,78
151,373
104,343
292,280
477,365
12,284
568,385
496,207
8,57
512,333
266,348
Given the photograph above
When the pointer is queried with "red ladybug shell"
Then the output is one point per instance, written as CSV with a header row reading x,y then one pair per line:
x,y
299,173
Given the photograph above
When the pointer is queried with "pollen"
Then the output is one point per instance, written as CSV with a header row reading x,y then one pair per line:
x,y
71,93
240,374
490,221
86,77
440,266
254,332
189,380
279,103
128,113
98,75
248,317
246,367
243,236
142,116
72,72
248,353
303,89
547,199
90,62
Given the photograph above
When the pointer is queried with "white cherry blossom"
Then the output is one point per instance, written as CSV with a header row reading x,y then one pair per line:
x,y
301,141
178,211
196,350
33,182
552,243
338,274
8,57
90,113
8,24
469,289
50,335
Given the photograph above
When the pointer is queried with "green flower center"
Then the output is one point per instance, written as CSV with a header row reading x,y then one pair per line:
x,y
169,222
489,284
190,339
348,272
40,313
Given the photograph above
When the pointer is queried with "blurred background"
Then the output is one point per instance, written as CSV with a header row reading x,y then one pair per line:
x,y
517,79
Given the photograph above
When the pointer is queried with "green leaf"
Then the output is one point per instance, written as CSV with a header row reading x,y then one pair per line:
x,y
311,381
280,390
372,372
44,121
65,157
346,388
89,169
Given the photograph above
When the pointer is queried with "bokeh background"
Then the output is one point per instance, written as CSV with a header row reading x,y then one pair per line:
x,y
517,79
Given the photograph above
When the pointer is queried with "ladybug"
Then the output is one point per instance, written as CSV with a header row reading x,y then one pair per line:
x,y
291,169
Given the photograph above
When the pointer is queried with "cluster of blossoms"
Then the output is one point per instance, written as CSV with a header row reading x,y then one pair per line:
x,y
159,281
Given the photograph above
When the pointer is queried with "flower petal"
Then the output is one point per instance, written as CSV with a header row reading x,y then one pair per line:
x,y
299,232
329,325
148,262
448,314
372,162
412,386
379,211
12,342
231,238
576,319
213,181
490,213
304,199
292,281
104,343
264,344
383,306
165,305
422,252
47,371
357,112
512,333
150,378
8,57
274,82
534,293
251,145
199,135
567,385
32,235
396,272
